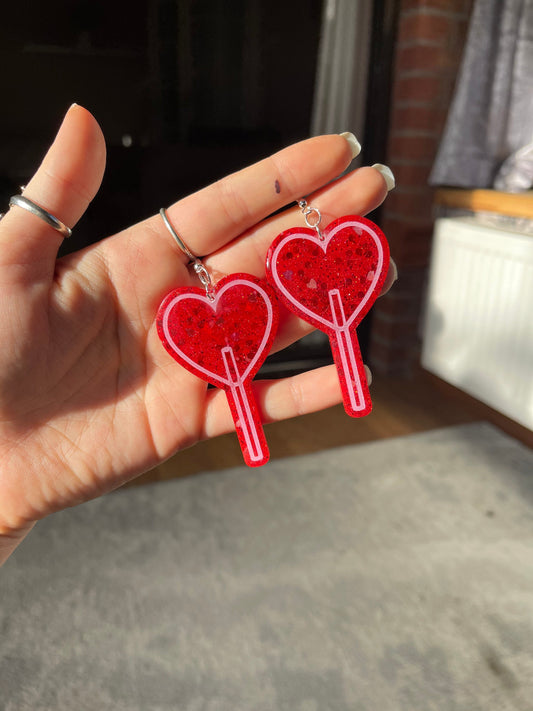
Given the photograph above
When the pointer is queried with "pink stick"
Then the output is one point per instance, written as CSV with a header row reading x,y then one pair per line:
x,y
245,415
347,356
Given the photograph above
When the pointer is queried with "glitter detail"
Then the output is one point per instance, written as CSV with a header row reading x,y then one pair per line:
x,y
332,284
224,342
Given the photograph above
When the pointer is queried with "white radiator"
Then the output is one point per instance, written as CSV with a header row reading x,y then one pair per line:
x,y
478,326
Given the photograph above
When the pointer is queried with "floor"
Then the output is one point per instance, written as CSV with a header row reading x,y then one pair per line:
x,y
401,406
393,575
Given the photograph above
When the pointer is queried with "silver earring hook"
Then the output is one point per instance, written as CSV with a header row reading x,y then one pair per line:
x,y
312,216
199,267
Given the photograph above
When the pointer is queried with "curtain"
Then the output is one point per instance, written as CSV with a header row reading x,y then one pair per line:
x,y
491,115
341,82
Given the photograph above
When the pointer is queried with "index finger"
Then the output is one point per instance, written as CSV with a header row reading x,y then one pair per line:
x,y
212,217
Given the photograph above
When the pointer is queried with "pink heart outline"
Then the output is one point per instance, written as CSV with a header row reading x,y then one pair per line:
x,y
356,223
210,376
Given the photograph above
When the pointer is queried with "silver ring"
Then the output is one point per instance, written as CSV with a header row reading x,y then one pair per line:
x,y
176,236
38,211
197,263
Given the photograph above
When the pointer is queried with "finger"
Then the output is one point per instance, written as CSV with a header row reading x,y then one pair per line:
x,y
357,193
212,217
158,263
280,399
64,184
392,276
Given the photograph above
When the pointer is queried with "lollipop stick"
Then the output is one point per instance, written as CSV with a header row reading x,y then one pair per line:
x,y
244,411
347,356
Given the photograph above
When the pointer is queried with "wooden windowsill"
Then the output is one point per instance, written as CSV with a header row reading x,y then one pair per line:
x,y
512,204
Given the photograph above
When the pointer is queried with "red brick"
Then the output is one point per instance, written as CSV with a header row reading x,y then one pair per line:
x,y
412,281
422,88
391,360
404,318
448,81
410,175
418,202
453,6
424,57
423,118
415,148
403,227
427,26
457,38
409,242
430,43
400,306
397,333
416,252
413,252
387,352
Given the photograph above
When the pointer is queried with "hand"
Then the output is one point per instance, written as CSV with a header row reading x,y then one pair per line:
x,y
88,396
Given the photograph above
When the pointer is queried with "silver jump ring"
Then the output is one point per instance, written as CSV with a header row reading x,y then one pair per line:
x,y
198,266
307,211
316,214
40,212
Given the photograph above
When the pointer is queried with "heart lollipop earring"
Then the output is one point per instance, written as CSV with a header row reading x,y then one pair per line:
x,y
331,278
222,333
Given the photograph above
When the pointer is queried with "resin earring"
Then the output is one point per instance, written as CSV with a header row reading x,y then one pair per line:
x,y
222,333
330,278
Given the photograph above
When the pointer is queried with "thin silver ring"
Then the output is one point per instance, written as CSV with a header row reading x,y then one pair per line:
x,y
38,211
176,236
197,263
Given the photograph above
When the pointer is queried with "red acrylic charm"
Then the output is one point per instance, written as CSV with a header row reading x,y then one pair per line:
x,y
224,340
331,281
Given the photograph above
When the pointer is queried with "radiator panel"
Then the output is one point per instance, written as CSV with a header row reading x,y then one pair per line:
x,y
478,325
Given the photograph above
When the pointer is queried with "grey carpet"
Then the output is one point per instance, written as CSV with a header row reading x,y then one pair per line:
x,y
381,577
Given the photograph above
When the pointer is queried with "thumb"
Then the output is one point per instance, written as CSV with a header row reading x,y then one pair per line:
x,y
65,183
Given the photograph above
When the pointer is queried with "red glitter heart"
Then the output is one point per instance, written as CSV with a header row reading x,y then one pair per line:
x,y
225,340
332,283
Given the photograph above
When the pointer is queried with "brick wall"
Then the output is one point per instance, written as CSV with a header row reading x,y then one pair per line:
x,y
430,41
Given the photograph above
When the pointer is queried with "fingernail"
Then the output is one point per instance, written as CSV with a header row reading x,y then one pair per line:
x,y
354,144
394,270
387,173
368,375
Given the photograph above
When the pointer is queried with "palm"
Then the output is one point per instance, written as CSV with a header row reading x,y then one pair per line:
x,y
85,385
88,396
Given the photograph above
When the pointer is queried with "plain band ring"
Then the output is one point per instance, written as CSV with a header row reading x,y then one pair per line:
x,y
176,236
38,211
196,262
